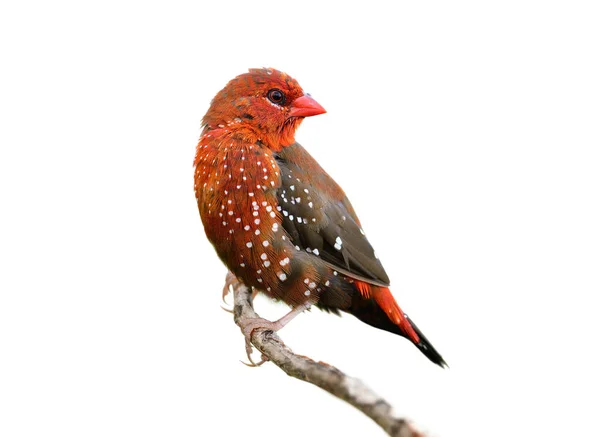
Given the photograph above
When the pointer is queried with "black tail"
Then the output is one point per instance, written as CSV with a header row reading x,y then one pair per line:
x,y
427,348
367,311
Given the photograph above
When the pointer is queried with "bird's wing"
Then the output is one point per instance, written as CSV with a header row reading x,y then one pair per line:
x,y
320,219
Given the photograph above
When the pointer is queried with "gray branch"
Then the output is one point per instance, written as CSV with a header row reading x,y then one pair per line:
x,y
320,374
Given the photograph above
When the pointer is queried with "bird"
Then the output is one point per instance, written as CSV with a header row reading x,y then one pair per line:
x,y
277,220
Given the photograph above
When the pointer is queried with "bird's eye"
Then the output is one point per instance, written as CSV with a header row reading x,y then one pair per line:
x,y
276,96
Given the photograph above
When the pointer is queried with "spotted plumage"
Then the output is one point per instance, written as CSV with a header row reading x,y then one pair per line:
x,y
277,220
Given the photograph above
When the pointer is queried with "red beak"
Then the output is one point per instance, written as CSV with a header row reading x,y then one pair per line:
x,y
306,106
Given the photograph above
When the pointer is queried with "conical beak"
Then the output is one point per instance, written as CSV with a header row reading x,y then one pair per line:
x,y
306,106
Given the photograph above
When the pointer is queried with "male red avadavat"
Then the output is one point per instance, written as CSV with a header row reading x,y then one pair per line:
x,y
277,220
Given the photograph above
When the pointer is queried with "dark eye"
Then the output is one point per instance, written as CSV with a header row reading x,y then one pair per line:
x,y
276,96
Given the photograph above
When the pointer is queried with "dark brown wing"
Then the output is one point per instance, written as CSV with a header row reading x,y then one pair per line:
x,y
320,219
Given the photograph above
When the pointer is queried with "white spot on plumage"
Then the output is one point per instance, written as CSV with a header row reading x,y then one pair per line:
x,y
282,276
249,244
263,256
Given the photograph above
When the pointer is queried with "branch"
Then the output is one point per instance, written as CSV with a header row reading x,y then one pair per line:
x,y
320,374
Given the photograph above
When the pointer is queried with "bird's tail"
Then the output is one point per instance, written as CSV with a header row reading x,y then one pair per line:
x,y
377,307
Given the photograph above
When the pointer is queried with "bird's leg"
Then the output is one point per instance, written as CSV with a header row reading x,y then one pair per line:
x,y
231,282
248,326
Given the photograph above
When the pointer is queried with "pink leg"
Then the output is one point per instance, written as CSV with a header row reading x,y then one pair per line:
x,y
250,325
231,282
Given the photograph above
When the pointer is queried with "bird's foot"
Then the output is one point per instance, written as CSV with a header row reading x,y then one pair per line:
x,y
232,283
248,327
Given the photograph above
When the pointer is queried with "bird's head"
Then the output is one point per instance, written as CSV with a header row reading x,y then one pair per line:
x,y
264,104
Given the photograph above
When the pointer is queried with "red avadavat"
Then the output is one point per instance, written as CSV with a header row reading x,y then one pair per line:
x,y
277,220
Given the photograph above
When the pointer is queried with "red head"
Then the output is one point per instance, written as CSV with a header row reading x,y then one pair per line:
x,y
263,104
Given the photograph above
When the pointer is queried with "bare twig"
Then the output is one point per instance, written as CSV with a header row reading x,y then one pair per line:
x,y
320,374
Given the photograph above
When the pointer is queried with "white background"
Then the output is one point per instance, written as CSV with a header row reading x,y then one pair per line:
x,y
465,134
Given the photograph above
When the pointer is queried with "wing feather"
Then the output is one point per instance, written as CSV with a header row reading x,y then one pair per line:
x,y
320,219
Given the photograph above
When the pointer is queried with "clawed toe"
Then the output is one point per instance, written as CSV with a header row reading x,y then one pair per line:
x,y
231,284
248,327
263,357
230,281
